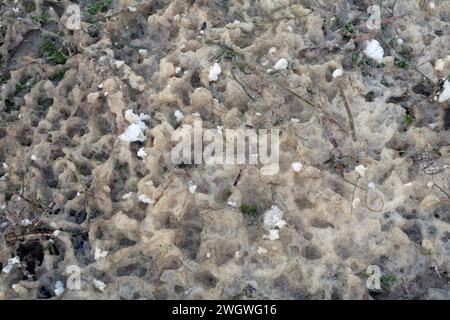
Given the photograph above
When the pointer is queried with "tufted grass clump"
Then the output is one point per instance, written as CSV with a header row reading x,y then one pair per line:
x,y
249,210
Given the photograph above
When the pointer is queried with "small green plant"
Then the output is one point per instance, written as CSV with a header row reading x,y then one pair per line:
x,y
42,18
388,280
401,63
4,78
408,120
98,6
48,50
29,6
249,210
348,31
370,96
21,86
58,76
361,59
406,52
385,83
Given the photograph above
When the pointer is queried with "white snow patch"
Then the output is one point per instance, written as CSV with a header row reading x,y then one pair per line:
x,y
26,222
273,220
297,166
33,157
141,153
445,94
10,264
214,72
179,116
56,233
338,73
127,195
192,187
59,288
232,203
135,131
272,50
261,250
119,64
73,21
281,64
273,234
99,254
361,170
100,285
144,199
374,50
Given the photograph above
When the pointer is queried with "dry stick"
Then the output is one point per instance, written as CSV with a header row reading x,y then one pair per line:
x,y
353,194
349,113
242,86
442,190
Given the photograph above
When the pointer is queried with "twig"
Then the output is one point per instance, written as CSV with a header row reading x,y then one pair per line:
x,y
349,113
442,190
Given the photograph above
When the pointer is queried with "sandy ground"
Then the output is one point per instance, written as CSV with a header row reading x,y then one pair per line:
x,y
363,180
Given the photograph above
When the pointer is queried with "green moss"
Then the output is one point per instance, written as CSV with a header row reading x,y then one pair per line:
x,y
4,78
408,120
21,87
249,210
361,59
29,6
370,96
406,52
388,280
98,6
48,50
401,63
348,31
42,18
